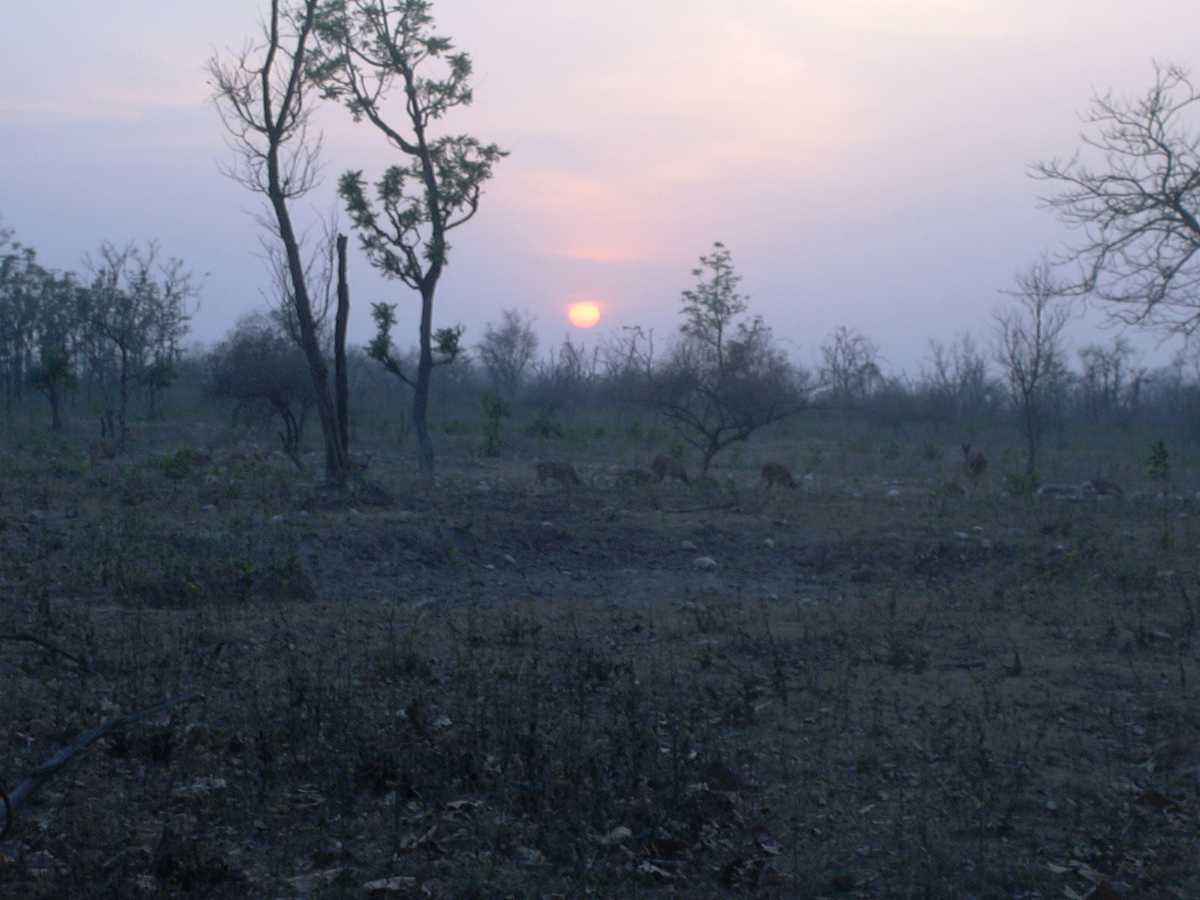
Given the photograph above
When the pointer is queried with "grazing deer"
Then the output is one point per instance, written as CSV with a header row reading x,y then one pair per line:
x,y
562,472
974,462
666,467
776,473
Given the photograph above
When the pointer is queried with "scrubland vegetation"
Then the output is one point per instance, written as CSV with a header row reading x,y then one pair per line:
x,y
900,678
651,616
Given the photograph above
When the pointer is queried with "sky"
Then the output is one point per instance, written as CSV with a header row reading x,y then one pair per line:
x,y
865,161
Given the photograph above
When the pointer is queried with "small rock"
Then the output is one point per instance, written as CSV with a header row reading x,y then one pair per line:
x,y
530,856
704,563
616,836
687,545
770,543
201,787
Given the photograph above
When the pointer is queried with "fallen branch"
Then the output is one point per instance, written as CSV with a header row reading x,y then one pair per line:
x,y
54,764
54,648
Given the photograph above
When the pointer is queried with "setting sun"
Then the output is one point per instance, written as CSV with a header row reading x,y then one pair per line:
x,y
584,315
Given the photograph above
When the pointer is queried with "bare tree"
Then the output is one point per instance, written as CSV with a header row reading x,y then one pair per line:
x,y
725,378
137,306
368,50
1106,377
1133,196
566,378
263,95
507,351
1029,349
258,365
957,377
629,364
850,368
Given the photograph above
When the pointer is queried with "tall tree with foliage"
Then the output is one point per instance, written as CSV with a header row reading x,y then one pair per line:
x,y
370,51
265,98
21,282
726,377
58,327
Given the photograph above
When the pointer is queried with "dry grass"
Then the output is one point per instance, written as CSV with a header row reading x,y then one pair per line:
x,y
502,688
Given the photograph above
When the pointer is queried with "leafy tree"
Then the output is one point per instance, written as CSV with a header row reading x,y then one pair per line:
x,y
264,96
725,378
1132,195
369,50
21,284
58,327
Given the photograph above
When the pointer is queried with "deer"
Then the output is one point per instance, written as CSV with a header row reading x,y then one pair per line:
x,y
774,473
666,467
562,472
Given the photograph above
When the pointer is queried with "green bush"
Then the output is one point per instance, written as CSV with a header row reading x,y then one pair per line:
x,y
1021,484
178,465
494,411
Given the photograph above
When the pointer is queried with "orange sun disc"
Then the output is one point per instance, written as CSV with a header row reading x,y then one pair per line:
x,y
584,315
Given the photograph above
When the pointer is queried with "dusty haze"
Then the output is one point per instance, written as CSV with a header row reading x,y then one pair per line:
x,y
864,161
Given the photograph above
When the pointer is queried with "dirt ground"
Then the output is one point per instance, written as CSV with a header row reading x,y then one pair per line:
x,y
869,686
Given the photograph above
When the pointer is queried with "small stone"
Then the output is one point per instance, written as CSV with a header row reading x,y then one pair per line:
x,y
687,545
704,563
616,836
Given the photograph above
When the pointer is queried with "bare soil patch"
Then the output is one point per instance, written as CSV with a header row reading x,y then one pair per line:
x,y
506,688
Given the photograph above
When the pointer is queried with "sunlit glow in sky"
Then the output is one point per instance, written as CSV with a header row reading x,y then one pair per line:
x,y
864,160
584,314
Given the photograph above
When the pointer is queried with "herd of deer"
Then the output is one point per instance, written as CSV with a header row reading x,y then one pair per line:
x,y
974,467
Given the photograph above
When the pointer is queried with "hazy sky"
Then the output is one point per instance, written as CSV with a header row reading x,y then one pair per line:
x,y
864,160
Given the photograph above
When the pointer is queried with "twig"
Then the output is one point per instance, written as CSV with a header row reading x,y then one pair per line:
x,y
691,509
33,639
50,767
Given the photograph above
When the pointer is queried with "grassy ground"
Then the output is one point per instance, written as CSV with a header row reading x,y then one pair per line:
x,y
502,688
